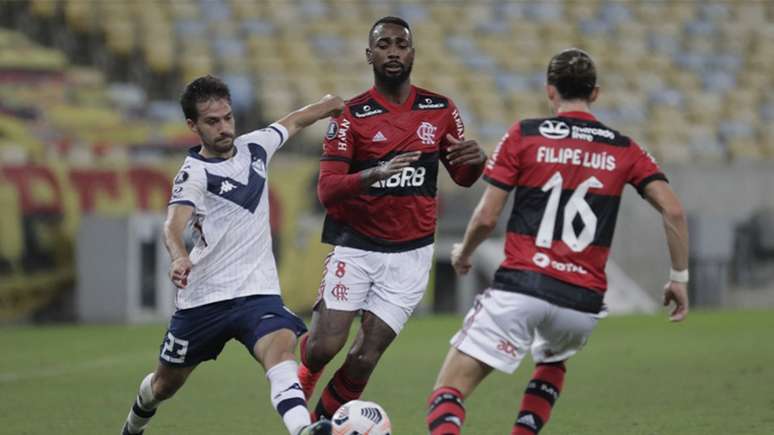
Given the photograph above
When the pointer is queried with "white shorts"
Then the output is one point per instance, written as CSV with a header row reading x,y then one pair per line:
x,y
503,326
390,285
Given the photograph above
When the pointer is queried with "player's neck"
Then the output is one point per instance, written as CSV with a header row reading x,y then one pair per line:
x,y
210,154
573,106
395,94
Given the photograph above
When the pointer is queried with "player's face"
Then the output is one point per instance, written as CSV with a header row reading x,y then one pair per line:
x,y
215,125
391,53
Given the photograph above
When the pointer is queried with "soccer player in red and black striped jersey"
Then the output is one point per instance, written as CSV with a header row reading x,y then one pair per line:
x,y
569,172
377,182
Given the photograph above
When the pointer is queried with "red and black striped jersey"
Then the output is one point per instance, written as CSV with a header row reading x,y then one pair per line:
x,y
399,213
569,172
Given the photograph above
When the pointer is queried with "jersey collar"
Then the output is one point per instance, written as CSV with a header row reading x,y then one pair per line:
x,y
406,106
577,114
194,152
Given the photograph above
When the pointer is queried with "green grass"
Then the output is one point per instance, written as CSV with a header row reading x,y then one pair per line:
x,y
638,375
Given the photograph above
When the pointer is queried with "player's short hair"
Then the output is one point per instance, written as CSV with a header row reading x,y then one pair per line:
x,y
389,20
203,89
573,73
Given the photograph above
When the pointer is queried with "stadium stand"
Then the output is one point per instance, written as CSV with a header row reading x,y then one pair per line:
x,y
689,79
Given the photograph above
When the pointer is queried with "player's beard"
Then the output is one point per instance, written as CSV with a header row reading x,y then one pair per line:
x,y
392,80
221,146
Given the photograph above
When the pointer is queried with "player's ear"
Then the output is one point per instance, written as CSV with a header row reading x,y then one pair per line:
x,y
594,94
369,56
192,125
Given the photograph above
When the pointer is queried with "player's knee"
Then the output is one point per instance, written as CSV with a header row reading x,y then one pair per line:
x,y
322,349
364,359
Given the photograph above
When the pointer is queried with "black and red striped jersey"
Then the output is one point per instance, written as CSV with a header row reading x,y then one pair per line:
x,y
399,213
569,172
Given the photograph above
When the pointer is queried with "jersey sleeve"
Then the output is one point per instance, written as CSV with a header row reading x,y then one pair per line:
x,y
644,169
339,139
189,186
502,168
270,138
463,175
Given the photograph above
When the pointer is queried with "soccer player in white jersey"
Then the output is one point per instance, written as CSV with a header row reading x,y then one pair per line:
x,y
228,285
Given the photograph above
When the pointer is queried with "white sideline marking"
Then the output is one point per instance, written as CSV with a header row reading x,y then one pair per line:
x,y
8,377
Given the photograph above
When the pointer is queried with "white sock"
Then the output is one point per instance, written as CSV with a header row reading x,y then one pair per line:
x,y
144,407
287,396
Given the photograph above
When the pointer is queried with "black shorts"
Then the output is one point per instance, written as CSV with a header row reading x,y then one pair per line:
x,y
199,334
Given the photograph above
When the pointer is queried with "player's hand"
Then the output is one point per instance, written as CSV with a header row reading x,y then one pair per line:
x,y
335,103
676,292
460,262
396,165
464,152
179,270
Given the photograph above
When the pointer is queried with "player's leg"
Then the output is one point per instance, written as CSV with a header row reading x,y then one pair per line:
x,y
459,376
351,378
194,335
328,333
563,333
270,332
496,333
399,281
275,351
343,290
155,388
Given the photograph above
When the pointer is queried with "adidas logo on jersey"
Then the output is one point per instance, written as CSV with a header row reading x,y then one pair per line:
x,y
226,187
378,137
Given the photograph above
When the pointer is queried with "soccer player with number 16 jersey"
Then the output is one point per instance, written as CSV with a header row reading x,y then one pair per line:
x,y
568,172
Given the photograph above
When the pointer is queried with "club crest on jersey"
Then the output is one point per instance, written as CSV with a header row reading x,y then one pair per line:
x,y
554,129
333,127
181,177
426,133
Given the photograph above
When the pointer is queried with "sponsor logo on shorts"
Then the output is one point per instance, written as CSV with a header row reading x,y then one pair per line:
x,y
507,347
340,292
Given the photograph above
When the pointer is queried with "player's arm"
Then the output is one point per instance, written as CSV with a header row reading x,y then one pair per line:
x,y
661,196
463,159
336,183
296,121
178,216
481,225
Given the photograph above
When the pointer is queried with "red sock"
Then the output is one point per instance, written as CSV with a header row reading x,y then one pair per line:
x,y
445,413
539,398
340,390
306,377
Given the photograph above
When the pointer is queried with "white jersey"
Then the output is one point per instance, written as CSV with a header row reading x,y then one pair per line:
x,y
232,255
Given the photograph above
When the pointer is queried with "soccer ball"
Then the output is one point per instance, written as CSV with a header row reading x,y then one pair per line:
x,y
359,417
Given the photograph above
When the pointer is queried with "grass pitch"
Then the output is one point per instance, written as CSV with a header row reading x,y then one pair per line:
x,y
639,375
